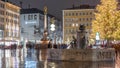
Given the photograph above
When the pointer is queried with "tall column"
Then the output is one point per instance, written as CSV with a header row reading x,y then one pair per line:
x,y
45,22
45,33
45,18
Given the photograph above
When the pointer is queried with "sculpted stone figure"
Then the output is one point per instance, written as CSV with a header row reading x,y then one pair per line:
x,y
45,10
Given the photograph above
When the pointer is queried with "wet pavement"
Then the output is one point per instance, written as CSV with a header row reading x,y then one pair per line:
x,y
31,58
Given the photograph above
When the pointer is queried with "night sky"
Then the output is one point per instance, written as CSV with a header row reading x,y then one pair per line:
x,y
55,7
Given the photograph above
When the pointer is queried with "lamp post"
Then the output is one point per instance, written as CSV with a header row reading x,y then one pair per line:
x,y
52,28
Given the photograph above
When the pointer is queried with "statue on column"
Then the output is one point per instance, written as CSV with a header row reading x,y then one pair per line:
x,y
45,10
45,34
44,40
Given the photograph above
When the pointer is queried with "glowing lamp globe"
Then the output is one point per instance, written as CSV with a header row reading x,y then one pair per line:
x,y
52,25
52,29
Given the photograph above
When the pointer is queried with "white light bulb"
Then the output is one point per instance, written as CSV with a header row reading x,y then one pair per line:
x,y
52,29
52,25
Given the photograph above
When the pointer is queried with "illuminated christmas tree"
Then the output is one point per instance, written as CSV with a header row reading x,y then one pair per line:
x,y
107,21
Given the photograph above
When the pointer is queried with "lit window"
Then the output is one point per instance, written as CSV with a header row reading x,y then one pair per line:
x,y
73,25
76,24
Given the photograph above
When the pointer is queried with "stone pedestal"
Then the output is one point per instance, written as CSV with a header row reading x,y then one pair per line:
x,y
43,49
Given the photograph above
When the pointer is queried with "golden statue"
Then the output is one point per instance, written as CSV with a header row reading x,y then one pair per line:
x,y
45,10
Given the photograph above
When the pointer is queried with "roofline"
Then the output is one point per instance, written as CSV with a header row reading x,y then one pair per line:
x,y
76,9
13,5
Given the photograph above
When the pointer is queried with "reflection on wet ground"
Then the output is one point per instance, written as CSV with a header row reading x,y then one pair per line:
x,y
15,59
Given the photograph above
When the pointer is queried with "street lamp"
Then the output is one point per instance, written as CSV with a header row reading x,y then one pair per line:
x,y
52,28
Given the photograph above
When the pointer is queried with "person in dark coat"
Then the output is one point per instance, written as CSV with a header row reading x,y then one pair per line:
x,y
50,44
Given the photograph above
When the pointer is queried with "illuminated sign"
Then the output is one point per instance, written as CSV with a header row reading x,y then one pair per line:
x,y
30,22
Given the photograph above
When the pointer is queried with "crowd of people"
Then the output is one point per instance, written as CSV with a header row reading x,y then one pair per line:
x,y
12,46
59,46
